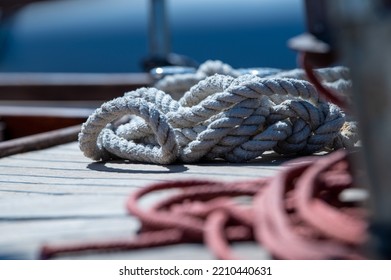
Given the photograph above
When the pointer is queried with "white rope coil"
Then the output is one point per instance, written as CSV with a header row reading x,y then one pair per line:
x,y
221,117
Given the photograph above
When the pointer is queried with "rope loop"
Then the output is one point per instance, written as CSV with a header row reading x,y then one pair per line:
x,y
98,139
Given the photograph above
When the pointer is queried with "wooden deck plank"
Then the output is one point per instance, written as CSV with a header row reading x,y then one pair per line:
x,y
57,194
69,86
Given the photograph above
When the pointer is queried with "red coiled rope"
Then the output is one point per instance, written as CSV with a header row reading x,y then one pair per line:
x,y
297,214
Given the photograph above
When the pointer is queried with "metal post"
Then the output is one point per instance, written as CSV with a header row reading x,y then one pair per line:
x,y
159,33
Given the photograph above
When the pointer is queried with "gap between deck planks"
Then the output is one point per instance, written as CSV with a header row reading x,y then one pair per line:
x,y
57,194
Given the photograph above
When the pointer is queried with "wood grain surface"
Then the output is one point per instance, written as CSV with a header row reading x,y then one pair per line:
x,y
57,195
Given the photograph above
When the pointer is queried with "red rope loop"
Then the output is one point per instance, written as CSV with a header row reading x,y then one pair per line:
x,y
329,95
297,214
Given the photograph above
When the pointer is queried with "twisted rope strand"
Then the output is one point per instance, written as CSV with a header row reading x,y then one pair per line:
x,y
176,85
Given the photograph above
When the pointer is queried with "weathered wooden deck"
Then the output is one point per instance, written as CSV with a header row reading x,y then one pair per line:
x,y
56,195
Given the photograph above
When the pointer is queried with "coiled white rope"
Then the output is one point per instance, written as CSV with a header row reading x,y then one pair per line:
x,y
232,117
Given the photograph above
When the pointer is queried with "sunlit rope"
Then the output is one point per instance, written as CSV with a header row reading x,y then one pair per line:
x,y
222,117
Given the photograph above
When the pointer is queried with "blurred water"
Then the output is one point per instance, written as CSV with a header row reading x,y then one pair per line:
x,y
111,35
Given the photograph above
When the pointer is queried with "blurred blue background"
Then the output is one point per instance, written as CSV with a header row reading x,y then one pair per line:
x,y
112,35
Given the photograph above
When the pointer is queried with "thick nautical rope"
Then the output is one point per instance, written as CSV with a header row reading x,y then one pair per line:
x,y
221,117
300,213
176,85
